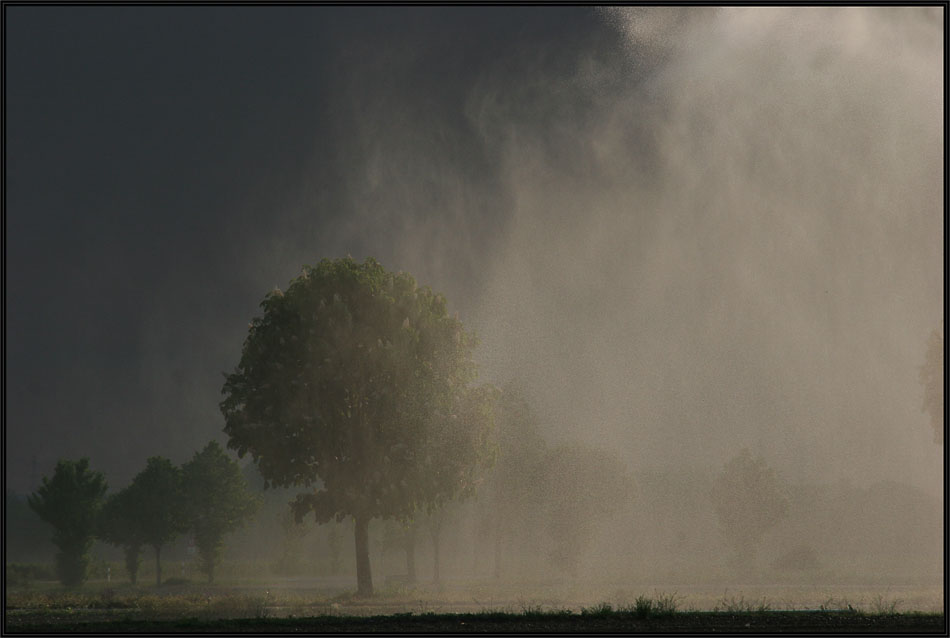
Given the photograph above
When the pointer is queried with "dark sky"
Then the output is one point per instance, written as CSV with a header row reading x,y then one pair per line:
x,y
687,229
166,166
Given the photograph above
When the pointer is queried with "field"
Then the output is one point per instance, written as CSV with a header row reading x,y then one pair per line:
x,y
325,605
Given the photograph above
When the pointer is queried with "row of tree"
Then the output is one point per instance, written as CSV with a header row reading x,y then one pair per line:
x,y
206,497
357,388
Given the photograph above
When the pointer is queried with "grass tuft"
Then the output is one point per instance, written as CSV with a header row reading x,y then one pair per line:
x,y
883,606
603,609
734,605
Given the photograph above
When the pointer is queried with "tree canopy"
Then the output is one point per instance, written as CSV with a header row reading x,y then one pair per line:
x,y
356,383
121,525
158,499
216,501
70,502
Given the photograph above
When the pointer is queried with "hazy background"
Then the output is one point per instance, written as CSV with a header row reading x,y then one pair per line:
x,y
685,230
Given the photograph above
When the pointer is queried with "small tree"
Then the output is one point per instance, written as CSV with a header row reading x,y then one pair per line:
x,y
511,487
749,500
216,501
70,502
159,506
119,525
355,384
931,377
580,488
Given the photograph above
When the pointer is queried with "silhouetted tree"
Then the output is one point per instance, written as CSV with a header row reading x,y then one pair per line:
x,y
513,501
931,377
159,506
292,535
356,384
580,488
401,536
749,500
120,525
70,502
215,501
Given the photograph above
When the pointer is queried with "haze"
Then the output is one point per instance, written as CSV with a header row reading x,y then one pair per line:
x,y
684,230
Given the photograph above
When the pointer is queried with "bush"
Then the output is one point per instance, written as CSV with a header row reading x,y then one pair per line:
x,y
72,568
23,574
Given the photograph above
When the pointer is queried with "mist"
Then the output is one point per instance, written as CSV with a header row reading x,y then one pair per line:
x,y
683,231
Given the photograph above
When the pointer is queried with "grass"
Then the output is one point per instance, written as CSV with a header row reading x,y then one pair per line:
x,y
600,618
733,605
269,606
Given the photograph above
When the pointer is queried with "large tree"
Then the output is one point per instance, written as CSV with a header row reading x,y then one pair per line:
x,y
159,504
120,525
931,377
750,499
70,502
356,384
216,501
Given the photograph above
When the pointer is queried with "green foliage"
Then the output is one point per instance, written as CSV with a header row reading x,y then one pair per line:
x,y
158,505
355,383
931,378
120,525
749,500
158,500
215,501
70,502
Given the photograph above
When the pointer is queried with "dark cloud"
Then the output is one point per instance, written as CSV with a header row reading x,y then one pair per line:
x,y
686,230
167,166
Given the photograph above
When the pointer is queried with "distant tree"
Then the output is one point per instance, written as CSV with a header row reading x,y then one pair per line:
x,y
159,504
580,487
120,525
355,383
216,501
749,499
290,559
400,535
931,377
70,502
520,450
333,547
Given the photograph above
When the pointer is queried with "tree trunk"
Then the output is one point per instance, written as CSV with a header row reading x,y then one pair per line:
x,y
364,578
158,565
132,561
411,554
